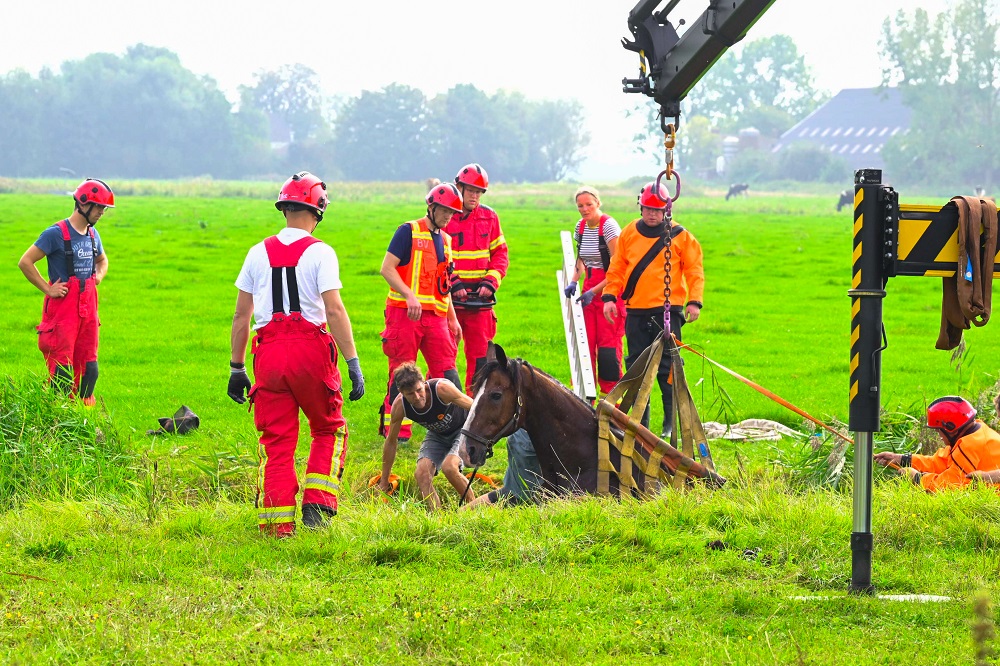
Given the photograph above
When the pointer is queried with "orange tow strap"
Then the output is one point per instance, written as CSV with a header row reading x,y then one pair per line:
x,y
763,391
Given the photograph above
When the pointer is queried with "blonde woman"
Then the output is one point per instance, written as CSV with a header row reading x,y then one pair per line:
x,y
596,237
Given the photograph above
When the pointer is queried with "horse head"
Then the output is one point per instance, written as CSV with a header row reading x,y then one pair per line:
x,y
496,409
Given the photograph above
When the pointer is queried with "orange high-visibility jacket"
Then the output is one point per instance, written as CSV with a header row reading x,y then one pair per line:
x,y
424,274
947,467
687,274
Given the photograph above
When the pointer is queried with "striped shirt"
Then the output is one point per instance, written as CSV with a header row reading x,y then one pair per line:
x,y
590,251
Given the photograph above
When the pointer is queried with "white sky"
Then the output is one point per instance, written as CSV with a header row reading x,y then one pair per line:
x,y
544,48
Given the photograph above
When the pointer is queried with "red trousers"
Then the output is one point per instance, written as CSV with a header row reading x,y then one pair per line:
x,y
402,339
603,338
479,326
68,333
295,367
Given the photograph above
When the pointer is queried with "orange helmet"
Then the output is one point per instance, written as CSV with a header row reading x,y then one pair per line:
x,y
305,189
446,195
950,414
94,191
473,174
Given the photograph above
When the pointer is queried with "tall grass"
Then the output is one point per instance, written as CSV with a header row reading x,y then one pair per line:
x,y
51,448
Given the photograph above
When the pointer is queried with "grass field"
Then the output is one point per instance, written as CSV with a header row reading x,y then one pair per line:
x,y
134,549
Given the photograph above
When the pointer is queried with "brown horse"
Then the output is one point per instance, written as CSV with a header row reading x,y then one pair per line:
x,y
512,394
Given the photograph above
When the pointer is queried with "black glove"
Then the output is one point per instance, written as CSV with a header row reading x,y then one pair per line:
x,y
585,298
570,290
357,379
239,383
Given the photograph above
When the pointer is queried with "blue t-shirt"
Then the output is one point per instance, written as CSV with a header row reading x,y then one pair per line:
x,y
84,252
402,243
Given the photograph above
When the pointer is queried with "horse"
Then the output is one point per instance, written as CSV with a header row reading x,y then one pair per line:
x,y
512,394
737,189
846,199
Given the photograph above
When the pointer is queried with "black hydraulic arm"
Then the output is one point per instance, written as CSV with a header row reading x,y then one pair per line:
x,y
677,63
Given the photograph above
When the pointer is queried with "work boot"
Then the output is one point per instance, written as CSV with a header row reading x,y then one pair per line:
x,y
317,516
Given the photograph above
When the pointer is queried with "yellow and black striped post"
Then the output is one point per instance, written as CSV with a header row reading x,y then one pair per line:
x,y
875,220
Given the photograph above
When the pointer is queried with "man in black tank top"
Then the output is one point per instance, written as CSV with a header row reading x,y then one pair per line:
x,y
442,408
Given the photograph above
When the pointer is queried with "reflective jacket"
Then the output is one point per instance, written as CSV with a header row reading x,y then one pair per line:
x,y
687,274
947,467
426,273
478,249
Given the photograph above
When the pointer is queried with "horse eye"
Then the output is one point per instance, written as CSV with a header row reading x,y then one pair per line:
x,y
496,395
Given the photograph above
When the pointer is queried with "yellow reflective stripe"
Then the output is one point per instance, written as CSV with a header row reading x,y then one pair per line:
x,y
495,275
276,514
416,264
470,254
497,242
396,296
322,482
476,273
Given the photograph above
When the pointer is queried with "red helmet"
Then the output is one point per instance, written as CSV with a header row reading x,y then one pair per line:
x,y
950,414
473,174
446,195
94,191
651,197
306,189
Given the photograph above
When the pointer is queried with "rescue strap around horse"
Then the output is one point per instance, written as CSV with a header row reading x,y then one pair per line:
x,y
776,398
641,265
71,256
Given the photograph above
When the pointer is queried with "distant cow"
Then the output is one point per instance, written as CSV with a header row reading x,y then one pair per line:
x,y
846,199
737,188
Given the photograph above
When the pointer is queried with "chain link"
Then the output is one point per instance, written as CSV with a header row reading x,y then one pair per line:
x,y
667,257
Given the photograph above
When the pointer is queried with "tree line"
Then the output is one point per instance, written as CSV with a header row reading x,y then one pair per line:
x,y
144,115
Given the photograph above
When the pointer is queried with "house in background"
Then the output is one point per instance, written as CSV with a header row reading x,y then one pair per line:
x,y
854,125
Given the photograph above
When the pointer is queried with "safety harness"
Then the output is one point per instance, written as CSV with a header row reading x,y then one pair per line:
x,y
71,256
285,257
602,244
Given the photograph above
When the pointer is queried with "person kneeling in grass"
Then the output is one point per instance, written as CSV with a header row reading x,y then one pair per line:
x,y
441,407
971,450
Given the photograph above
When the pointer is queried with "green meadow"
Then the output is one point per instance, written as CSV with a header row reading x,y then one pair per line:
x,y
119,547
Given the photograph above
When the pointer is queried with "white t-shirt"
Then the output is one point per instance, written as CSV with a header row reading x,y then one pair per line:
x,y
590,250
318,271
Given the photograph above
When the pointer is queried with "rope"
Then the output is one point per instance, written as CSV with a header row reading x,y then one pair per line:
x,y
776,398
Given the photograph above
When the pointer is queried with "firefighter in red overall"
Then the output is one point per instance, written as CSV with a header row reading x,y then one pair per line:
x,y
596,240
480,254
419,316
971,449
77,263
290,286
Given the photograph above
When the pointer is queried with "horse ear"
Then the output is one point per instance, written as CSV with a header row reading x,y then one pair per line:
x,y
491,352
500,355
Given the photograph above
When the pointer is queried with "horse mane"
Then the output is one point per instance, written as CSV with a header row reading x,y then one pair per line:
x,y
518,363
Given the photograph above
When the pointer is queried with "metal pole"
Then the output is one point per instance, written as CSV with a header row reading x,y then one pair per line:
x,y
867,292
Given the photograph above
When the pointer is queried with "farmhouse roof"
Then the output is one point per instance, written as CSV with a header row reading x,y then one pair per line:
x,y
854,125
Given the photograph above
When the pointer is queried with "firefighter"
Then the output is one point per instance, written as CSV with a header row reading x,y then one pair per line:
x,y
636,277
419,315
77,263
290,286
596,240
480,254
442,408
971,449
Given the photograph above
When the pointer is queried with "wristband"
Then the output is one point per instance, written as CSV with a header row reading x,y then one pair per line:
x,y
237,366
906,460
609,298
